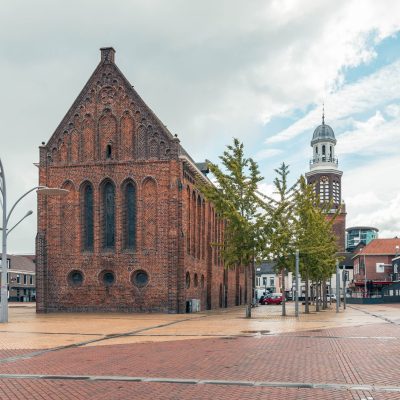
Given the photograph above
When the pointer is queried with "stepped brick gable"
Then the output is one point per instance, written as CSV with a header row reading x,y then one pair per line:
x,y
133,233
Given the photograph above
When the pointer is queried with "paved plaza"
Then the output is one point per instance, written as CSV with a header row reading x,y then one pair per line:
x,y
212,355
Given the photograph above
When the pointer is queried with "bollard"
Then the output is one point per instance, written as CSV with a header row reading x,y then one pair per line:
x,y
248,311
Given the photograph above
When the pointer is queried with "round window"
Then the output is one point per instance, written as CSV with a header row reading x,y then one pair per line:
x,y
108,278
187,280
196,280
75,278
140,278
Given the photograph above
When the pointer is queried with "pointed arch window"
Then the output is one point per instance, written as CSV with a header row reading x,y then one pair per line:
x,y
108,216
87,217
130,216
108,152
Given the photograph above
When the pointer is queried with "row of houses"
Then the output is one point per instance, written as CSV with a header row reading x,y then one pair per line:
x,y
373,269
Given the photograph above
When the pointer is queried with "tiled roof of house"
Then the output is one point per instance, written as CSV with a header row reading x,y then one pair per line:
x,y
22,262
266,267
381,246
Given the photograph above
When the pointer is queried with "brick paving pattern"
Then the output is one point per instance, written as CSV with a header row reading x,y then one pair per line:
x,y
365,354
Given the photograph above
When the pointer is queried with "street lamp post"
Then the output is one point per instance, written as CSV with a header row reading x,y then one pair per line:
x,y
5,232
365,279
297,285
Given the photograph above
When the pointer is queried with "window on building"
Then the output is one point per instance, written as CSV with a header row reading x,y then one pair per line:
x,y
25,280
380,267
18,278
140,278
108,152
108,216
264,281
75,278
187,280
258,281
130,216
31,279
324,189
108,278
272,282
87,217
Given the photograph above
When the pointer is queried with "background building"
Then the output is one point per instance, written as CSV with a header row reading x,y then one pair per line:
x,y
359,235
133,233
373,267
21,277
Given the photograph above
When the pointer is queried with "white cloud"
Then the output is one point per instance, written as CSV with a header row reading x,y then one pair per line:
x,y
267,153
372,195
368,93
210,70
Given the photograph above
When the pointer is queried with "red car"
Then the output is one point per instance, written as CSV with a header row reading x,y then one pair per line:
x,y
274,299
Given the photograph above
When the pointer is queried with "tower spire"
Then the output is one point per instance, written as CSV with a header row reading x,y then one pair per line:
x,y
323,113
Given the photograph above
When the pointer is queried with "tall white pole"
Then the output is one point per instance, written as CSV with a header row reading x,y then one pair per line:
x,y
4,286
297,285
337,286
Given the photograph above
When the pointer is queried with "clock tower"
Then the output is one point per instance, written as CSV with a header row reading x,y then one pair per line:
x,y
325,175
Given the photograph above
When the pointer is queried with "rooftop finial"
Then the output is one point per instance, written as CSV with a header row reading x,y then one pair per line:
x,y
323,113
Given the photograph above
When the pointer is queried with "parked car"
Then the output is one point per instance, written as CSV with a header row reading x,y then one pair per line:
x,y
333,297
273,299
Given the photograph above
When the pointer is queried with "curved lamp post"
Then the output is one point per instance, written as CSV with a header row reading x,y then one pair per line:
x,y
44,190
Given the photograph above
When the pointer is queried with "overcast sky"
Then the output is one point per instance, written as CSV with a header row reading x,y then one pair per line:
x,y
212,70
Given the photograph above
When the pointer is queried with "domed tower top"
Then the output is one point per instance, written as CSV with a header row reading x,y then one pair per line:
x,y
323,132
323,143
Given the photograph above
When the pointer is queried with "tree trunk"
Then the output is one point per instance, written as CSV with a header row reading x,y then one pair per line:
x,y
307,306
283,294
317,296
324,304
312,292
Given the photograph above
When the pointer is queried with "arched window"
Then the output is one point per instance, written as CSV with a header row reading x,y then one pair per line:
x,y
130,216
323,150
108,152
108,215
188,230
87,217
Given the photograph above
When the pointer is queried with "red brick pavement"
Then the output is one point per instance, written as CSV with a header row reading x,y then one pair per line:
x,y
357,355
32,389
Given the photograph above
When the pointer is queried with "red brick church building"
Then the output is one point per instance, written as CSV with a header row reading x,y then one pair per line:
x,y
133,233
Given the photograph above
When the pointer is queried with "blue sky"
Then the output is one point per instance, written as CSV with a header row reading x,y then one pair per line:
x,y
211,71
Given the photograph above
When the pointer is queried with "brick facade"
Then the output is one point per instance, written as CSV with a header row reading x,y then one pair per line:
x,y
109,140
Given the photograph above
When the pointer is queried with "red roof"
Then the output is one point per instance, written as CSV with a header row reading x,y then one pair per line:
x,y
381,247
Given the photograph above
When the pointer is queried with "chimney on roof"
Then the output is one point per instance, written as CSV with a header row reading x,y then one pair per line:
x,y
107,54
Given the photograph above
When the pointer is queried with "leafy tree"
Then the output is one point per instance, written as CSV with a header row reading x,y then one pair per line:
x,y
314,236
279,226
235,200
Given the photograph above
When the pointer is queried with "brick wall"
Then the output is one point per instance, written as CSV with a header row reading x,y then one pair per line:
x,y
110,137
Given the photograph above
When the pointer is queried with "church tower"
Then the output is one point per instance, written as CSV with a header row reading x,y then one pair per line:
x,y
326,176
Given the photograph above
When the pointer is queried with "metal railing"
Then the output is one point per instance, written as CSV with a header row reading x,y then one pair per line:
x,y
316,160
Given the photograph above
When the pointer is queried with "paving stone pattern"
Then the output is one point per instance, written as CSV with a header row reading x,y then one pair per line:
x,y
360,361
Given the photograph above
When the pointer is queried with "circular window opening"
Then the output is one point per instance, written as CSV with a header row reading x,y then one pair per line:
x,y
187,280
108,278
196,280
75,278
202,281
140,278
